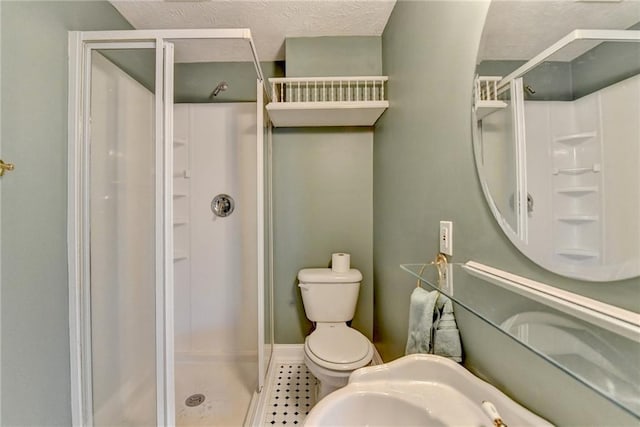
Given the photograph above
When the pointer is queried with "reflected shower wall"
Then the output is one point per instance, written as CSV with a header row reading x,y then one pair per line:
x,y
606,118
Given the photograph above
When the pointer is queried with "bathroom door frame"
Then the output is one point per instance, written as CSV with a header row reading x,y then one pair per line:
x,y
81,43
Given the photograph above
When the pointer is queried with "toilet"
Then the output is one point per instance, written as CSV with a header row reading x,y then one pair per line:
x,y
333,350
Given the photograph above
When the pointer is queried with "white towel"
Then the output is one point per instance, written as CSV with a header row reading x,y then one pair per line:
x,y
421,310
446,338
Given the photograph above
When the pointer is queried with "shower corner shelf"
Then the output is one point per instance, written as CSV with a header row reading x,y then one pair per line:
x,y
577,191
179,256
577,219
577,171
578,253
180,221
183,173
327,101
575,138
177,142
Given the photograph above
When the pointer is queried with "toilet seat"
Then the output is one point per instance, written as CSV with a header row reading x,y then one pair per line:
x,y
338,347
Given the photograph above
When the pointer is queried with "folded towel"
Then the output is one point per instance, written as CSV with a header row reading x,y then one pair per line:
x,y
421,310
446,338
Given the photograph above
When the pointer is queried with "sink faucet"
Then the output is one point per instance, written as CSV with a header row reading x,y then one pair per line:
x,y
493,413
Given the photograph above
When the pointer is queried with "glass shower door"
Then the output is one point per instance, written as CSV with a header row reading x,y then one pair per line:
x,y
121,224
120,280
123,239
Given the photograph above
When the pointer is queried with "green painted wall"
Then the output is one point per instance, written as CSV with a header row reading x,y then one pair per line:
x,y
550,80
323,187
194,81
424,172
322,196
140,64
333,56
35,321
604,65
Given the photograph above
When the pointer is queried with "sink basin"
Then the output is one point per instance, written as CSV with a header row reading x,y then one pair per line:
x,y
371,408
414,390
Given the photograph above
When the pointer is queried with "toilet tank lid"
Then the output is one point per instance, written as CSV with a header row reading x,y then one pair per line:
x,y
327,275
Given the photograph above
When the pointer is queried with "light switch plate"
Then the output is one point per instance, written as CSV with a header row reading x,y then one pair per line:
x,y
446,237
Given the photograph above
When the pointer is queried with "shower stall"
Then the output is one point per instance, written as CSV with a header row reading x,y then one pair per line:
x,y
169,231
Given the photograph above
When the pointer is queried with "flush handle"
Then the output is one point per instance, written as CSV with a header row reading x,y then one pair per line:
x,y
303,286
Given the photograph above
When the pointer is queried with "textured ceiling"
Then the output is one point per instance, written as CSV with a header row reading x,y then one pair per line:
x,y
270,22
515,29
520,29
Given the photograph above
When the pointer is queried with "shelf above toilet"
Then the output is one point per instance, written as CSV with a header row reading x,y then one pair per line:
x,y
327,101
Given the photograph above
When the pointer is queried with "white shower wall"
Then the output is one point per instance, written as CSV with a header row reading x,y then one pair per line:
x,y
215,265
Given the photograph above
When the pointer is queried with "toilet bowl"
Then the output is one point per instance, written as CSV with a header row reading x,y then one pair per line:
x,y
333,350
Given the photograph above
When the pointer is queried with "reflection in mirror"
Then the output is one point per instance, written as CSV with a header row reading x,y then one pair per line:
x,y
593,342
593,354
499,159
557,146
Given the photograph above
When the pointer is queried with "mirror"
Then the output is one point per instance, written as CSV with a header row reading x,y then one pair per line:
x,y
557,133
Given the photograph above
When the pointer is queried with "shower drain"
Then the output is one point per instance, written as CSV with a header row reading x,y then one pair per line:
x,y
194,400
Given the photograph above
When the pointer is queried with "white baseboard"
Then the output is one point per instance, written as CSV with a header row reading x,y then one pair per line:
x,y
295,353
288,352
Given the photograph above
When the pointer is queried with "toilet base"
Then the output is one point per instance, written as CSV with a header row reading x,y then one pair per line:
x,y
328,380
334,375
323,389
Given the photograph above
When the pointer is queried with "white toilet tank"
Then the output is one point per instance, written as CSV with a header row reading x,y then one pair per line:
x,y
328,296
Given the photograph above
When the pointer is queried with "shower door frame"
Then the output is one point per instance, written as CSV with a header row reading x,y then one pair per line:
x,y
81,43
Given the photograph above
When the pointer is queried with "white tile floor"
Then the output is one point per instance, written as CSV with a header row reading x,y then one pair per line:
x,y
227,387
292,395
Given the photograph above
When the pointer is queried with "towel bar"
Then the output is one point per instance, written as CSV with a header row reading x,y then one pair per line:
x,y
441,264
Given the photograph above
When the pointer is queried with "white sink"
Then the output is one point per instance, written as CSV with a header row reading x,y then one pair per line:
x,y
417,390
